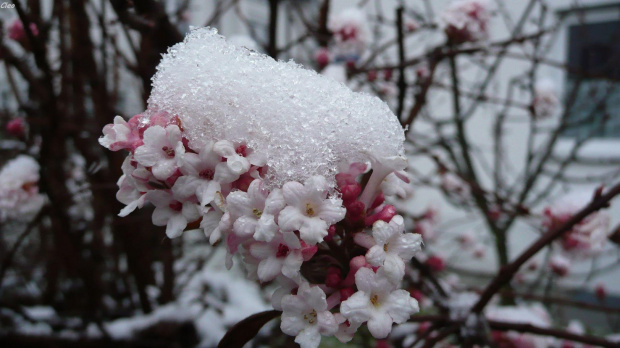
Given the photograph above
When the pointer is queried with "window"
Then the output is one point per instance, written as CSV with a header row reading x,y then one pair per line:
x,y
592,89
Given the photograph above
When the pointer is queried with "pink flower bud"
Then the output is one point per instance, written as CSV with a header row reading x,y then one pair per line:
x,y
354,265
386,214
600,291
307,251
417,294
322,56
378,201
382,344
331,231
371,75
17,32
355,211
350,193
436,263
16,127
333,278
345,293
387,74
423,327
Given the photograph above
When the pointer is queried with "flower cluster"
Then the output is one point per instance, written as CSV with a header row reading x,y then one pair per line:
x,y
19,191
466,21
17,32
589,236
351,34
545,102
337,253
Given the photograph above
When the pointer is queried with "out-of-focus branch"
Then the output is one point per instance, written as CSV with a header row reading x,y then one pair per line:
x,y
587,339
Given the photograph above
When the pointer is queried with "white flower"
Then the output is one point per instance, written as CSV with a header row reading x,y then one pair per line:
x,y
305,316
19,191
397,184
381,168
453,184
118,135
255,211
378,302
132,185
161,151
393,247
173,209
214,224
201,167
546,100
309,210
346,330
235,164
283,255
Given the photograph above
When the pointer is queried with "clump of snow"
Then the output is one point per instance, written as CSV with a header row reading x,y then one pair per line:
x,y
127,328
244,41
303,123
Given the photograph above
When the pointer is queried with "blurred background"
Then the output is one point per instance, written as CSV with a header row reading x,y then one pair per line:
x,y
535,89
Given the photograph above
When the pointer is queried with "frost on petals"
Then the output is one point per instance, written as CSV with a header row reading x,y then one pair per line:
x,y
309,210
378,302
306,317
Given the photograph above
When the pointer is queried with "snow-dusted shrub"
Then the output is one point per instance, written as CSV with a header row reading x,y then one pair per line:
x,y
267,158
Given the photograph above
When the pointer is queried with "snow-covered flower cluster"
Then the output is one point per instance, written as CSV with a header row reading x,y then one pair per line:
x,y
467,20
545,102
279,186
19,191
351,34
585,239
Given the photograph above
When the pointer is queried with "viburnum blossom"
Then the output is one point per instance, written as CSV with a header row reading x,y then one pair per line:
x,y
545,102
350,32
586,238
173,209
297,213
19,191
18,33
161,151
393,247
309,210
378,302
305,316
467,20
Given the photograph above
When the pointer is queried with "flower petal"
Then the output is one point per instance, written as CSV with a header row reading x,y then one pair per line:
x,y
380,325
